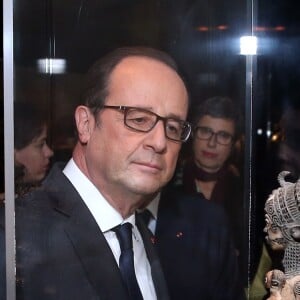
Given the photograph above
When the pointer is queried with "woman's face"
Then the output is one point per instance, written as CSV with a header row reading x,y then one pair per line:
x,y
35,158
209,154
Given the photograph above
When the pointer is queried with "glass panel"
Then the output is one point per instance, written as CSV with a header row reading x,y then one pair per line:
x,y
275,121
7,235
56,41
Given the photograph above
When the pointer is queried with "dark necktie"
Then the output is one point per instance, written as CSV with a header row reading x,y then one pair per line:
x,y
126,261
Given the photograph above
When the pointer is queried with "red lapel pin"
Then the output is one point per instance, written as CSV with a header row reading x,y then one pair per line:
x,y
179,234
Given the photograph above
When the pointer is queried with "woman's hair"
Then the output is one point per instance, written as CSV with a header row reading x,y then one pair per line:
x,y
29,122
218,107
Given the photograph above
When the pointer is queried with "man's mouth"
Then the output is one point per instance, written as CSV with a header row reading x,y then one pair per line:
x,y
149,166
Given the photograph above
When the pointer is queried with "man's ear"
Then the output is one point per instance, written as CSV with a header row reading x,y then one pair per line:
x,y
84,123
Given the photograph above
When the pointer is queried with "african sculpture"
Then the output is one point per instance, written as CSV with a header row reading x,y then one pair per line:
x,y
283,229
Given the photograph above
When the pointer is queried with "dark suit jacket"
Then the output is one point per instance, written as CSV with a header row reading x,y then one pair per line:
x,y
195,249
61,252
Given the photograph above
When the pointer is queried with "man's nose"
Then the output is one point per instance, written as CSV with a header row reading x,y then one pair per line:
x,y
157,137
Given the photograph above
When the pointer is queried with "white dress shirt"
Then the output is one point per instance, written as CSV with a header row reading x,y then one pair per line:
x,y
107,218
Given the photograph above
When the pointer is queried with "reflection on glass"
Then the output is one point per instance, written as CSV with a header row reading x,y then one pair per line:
x,y
276,105
32,153
204,38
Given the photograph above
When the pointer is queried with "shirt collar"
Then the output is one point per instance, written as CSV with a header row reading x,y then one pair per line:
x,y
153,206
106,216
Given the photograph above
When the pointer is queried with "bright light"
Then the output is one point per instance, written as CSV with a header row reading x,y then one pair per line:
x,y
51,65
275,137
259,131
248,45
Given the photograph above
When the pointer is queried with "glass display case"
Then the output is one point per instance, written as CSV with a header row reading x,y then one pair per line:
x,y
244,50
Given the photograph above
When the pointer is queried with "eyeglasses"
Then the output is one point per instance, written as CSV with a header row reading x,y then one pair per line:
x,y
143,120
206,133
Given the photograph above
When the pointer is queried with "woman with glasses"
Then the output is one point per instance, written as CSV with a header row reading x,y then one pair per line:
x,y
209,170
215,131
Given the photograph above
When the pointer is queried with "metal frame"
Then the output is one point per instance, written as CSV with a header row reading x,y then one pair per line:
x,y
8,82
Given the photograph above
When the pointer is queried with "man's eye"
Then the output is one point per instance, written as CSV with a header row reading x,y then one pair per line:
x,y
139,120
173,128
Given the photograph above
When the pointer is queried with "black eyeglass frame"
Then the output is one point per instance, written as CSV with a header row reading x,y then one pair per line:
x,y
212,134
124,109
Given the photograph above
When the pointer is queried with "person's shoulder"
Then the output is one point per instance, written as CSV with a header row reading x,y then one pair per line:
x,y
233,174
192,206
55,174
43,195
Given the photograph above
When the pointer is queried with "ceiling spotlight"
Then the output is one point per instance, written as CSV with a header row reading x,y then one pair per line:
x,y
248,45
51,65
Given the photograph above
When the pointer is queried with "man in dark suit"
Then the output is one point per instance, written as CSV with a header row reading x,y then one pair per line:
x,y
195,247
70,232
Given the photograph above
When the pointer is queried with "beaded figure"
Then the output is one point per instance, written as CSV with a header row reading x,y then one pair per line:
x,y
283,229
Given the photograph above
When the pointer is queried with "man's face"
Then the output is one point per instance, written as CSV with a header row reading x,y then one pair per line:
x,y
121,160
35,157
208,154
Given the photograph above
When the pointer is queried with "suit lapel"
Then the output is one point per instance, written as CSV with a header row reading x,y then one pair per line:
x,y
95,255
87,239
170,221
156,270
90,244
